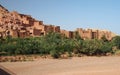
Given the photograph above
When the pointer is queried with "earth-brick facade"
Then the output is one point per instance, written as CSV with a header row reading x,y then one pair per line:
x,y
20,25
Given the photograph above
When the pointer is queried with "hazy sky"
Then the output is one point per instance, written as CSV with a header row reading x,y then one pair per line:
x,y
71,14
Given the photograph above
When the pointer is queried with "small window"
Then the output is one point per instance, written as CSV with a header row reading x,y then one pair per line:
x,y
42,33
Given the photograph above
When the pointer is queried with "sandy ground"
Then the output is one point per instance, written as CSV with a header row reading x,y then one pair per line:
x,y
74,66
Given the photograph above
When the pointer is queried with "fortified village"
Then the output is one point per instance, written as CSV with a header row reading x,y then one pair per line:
x,y
20,25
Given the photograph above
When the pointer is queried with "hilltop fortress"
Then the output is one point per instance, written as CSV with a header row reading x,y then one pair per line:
x,y
20,25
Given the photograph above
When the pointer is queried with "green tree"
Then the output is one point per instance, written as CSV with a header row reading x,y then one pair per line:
x,y
90,47
106,48
116,41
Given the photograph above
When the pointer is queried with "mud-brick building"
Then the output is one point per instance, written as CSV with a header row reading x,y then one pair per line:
x,y
68,34
20,25
94,33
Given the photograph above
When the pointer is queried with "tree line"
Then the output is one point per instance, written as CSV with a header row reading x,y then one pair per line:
x,y
55,44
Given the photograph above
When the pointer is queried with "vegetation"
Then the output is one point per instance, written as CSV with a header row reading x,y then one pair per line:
x,y
56,45
116,41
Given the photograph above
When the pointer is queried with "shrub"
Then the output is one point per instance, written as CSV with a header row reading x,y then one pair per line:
x,y
54,54
116,41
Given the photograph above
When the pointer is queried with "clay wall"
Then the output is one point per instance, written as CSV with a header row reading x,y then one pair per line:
x,y
37,32
94,34
68,34
56,28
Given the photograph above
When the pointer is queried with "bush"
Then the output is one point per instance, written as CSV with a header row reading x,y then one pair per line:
x,y
116,41
106,48
56,45
54,54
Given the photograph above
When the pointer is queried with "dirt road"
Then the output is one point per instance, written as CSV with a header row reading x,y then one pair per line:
x,y
74,66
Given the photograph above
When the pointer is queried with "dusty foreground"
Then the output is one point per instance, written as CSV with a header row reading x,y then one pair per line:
x,y
74,66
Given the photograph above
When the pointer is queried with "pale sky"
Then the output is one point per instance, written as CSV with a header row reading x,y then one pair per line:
x,y
71,14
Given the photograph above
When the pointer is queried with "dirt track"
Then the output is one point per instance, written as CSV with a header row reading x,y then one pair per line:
x,y
75,66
